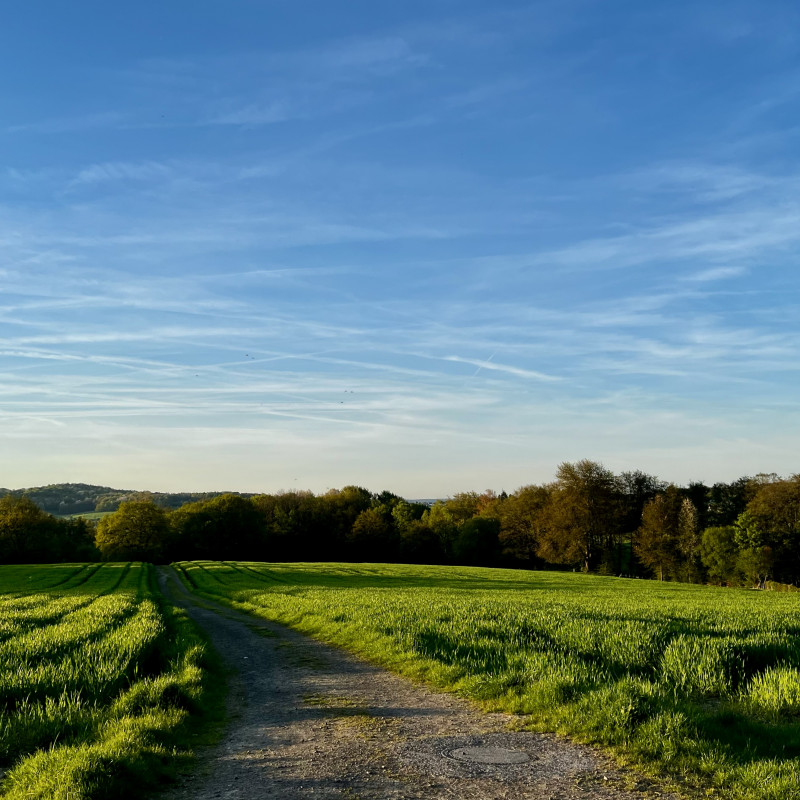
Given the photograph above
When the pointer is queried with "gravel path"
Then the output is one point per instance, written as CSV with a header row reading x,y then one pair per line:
x,y
311,721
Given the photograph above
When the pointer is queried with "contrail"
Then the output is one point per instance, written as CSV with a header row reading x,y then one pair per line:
x,y
481,366
487,361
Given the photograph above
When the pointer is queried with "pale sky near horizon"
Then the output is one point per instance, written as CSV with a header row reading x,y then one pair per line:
x,y
425,246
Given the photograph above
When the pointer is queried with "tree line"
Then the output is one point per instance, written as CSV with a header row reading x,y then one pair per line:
x,y
588,518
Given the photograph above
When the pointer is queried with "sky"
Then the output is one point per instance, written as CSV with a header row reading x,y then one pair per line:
x,y
430,247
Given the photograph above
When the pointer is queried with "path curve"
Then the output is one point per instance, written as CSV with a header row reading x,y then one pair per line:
x,y
311,721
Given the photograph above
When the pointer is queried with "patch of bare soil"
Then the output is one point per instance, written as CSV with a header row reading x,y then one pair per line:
x,y
309,720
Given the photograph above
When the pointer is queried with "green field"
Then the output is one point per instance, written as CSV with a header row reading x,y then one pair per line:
x,y
98,679
102,682
698,684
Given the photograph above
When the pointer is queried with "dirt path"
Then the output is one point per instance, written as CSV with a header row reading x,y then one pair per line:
x,y
310,721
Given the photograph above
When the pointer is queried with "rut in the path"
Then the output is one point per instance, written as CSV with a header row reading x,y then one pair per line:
x,y
310,721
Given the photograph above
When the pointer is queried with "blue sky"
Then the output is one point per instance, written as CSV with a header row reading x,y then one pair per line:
x,y
426,246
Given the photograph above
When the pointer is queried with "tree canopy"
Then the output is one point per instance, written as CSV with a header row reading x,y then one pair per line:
x,y
137,531
588,518
30,535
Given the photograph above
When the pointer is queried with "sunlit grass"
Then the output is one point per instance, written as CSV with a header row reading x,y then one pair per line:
x,y
98,677
694,683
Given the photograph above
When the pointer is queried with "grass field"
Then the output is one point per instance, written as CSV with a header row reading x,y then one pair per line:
x,y
98,677
696,683
90,515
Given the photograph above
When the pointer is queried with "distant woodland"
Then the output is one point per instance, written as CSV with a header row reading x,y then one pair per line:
x,y
82,498
744,533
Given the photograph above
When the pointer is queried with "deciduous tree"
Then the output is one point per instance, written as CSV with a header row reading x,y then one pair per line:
x,y
719,553
373,536
667,539
137,531
772,521
26,532
583,515
523,522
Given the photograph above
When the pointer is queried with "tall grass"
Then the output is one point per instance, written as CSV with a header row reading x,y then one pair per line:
x,y
695,683
98,676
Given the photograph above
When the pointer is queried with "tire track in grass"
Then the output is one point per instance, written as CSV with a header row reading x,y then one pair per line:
x,y
265,575
82,571
68,605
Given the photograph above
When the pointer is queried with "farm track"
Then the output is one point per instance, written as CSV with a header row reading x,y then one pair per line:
x,y
308,720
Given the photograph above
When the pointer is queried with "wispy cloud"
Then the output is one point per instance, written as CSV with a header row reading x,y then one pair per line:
x,y
701,181
207,90
122,171
73,124
716,274
511,370
737,234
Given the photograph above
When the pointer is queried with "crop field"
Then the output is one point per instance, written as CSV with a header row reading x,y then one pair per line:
x,y
92,515
699,684
97,681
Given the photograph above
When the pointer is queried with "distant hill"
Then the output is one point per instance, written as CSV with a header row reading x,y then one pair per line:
x,y
80,498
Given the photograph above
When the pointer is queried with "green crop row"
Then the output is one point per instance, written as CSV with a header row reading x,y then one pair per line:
x,y
688,681
98,679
